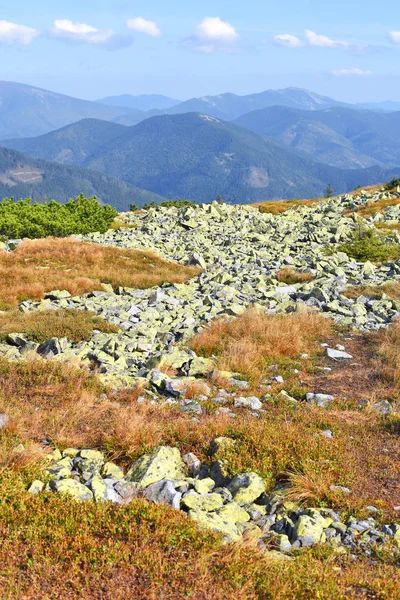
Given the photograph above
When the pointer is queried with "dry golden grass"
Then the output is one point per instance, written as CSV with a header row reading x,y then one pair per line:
x,y
385,227
249,343
76,325
122,225
389,351
79,267
371,208
277,207
290,276
391,289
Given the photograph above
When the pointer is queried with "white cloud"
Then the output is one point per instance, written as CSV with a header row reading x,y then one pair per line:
x,y
351,72
213,29
212,35
323,41
11,33
290,41
395,37
80,32
142,26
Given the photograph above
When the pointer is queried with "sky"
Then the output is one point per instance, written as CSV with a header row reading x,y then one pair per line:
x,y
90,49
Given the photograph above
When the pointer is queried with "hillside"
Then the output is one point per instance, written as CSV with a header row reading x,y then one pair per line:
x,y
231,106
72,144
336,136
22,176
143,102
29,111
198,157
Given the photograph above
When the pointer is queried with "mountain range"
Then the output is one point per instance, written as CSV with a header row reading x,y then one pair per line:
x,y
196,157
287,143
338,136
29,111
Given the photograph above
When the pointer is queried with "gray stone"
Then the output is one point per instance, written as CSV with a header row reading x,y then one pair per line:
x,y
322,400
4,420
163,492
337,354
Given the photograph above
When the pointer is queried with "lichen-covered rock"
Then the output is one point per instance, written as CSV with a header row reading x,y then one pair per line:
x,y
90,461
73,488
233,513
221,444
310,527
213,522
204,486
36,487
246,488
162,463
203,502
112,471
99,488
382,407
60,469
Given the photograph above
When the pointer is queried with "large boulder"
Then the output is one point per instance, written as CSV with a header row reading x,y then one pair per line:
x,y
162,463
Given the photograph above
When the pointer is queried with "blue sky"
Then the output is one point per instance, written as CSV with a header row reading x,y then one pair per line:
x,y
95,48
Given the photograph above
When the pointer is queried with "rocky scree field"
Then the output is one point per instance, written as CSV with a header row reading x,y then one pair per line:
x,y
204,402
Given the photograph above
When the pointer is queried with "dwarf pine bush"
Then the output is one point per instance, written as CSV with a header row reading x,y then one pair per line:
x,y
26,219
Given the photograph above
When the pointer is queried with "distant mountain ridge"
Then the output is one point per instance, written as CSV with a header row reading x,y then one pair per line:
x,y
338,136
27,111
231,106
22,176
197,157
143,102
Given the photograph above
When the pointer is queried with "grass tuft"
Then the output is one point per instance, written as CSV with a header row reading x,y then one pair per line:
x,y
290,276
250,343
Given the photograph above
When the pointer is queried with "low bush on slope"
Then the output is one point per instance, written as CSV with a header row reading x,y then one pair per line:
x,y
365,245
40,266
24,218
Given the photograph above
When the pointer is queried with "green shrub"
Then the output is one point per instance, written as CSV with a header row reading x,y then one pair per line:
x,y
392,183
170,203
24,218
365,244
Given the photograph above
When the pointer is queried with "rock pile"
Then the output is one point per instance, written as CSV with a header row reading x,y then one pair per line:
x,y
234,507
